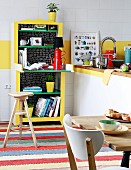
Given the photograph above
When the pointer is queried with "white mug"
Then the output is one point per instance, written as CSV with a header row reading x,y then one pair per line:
x,y
109,125
24,42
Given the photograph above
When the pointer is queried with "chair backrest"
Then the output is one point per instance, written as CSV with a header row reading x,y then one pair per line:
x,y
77,139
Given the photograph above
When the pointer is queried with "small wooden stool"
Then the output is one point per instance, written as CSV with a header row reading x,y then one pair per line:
x,y
22,98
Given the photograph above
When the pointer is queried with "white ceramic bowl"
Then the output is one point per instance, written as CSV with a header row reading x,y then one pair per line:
x,y
109,125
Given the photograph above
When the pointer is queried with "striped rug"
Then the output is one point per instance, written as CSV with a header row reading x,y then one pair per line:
x,y
51,153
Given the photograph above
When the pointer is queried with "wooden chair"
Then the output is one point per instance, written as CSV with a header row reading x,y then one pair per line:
x,y
83,144
20,97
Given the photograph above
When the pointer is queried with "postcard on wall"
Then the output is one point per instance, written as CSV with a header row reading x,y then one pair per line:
x,y
84,46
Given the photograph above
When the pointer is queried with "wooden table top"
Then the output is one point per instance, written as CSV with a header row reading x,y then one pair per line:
x,y
118,73
121,142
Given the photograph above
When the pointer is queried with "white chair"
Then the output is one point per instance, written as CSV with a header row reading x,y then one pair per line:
x,y
83,144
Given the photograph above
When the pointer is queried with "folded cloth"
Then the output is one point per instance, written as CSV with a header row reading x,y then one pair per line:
x,y
107,75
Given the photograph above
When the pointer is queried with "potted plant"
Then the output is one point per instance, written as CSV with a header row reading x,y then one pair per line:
x,y
52,7
50,83
30,109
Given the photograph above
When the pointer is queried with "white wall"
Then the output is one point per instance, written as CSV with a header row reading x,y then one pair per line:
x,y
109,16
94,97
69,93
4,98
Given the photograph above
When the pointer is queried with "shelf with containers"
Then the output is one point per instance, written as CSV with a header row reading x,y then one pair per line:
x,y
46,31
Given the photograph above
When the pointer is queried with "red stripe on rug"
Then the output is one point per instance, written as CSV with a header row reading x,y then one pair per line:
x,y
37,137
55,128
108,158
33,161
104,158
37,129
53,160
33,148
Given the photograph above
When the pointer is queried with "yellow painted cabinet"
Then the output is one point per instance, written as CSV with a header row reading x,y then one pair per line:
x,y
32,44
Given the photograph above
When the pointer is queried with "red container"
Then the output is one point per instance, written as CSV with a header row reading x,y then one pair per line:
x,y
57,59
110,58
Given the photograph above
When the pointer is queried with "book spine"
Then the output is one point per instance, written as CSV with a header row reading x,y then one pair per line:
x,y
57,107
39,106
49,108
31,90
41,110
53,107
25,57
46,106
32,87
21,57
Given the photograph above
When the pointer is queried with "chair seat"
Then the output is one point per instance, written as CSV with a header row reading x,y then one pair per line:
x,y
21,94
115,168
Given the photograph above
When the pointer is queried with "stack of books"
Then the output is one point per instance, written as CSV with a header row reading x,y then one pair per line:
x,y
32,89
48,107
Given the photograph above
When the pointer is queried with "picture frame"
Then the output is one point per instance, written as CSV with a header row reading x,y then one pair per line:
x,y
36,41
84,45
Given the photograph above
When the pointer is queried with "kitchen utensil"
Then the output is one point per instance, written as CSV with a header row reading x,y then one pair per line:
x,y
109,55
99,62
58,43
94,62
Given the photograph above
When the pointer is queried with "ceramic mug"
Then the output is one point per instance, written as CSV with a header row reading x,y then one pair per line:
x,y
109,125
24,42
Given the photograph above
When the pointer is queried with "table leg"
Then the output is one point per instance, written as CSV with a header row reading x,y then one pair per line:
x,y
125,159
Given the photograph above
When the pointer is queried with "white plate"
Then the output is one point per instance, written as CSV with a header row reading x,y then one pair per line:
x,y
118,120
120,130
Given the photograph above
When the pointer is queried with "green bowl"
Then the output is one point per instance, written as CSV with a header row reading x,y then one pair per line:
x,y
108,121
109,125
117,63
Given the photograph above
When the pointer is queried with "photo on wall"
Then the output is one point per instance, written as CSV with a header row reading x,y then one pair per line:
x,y
84,46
